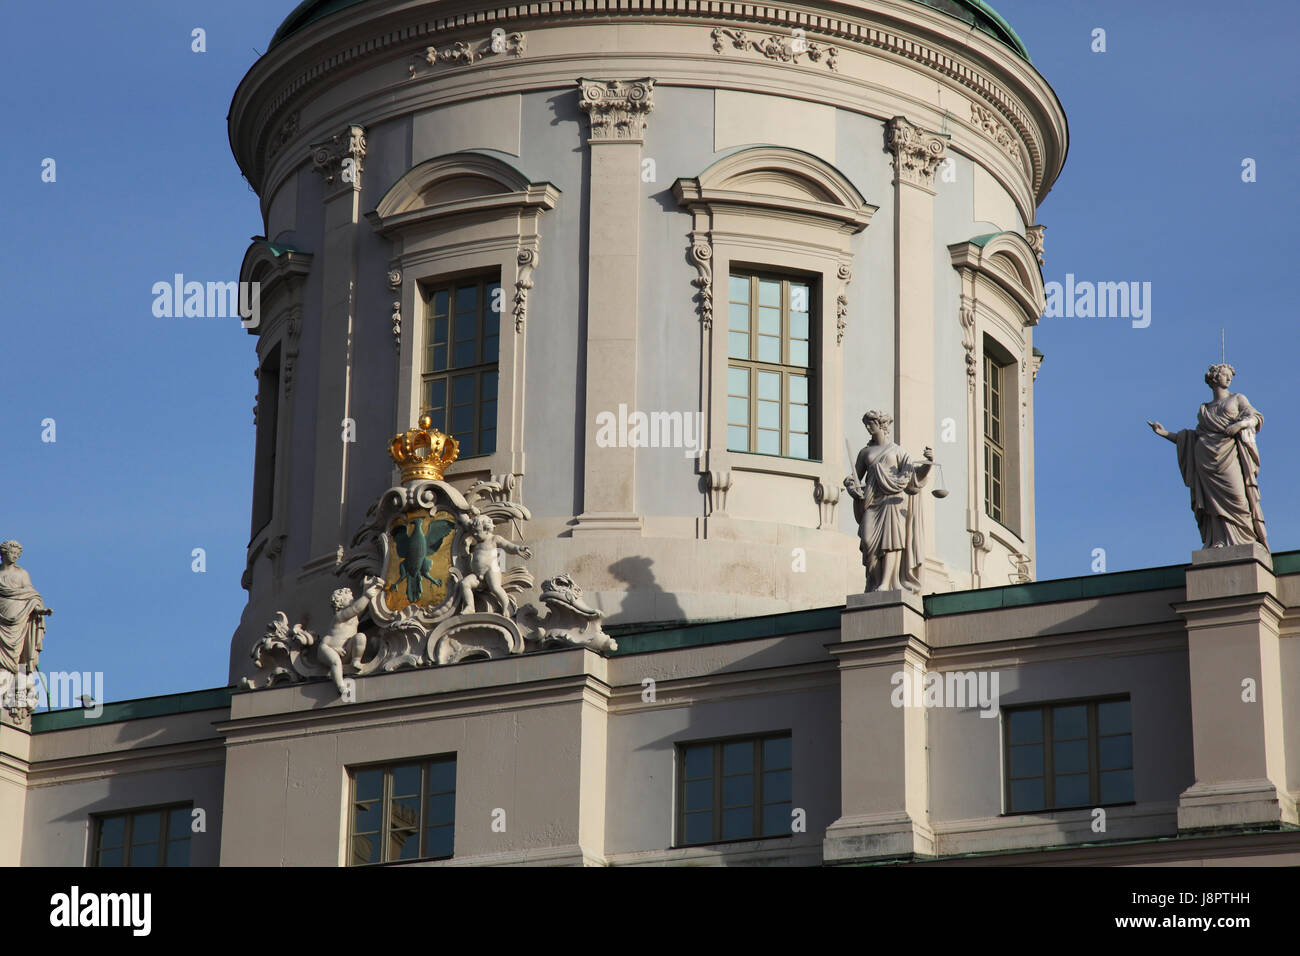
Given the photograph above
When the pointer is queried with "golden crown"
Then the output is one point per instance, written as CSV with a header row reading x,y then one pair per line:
x,y
423,453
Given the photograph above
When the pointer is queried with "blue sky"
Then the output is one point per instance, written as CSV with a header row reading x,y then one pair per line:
x,y
153,416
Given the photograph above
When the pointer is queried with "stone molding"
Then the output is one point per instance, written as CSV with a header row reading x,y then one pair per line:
x,y
617,109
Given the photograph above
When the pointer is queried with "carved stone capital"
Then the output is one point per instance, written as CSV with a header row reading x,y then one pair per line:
x,y
1034,236
339,158
617,109
917,152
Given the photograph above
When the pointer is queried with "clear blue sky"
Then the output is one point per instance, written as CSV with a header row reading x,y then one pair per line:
x,y
154,446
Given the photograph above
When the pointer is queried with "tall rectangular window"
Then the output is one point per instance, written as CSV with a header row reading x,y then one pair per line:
x,y
462,342
995,458
268,422
1069,755
402,812
770,369
159,836
737,789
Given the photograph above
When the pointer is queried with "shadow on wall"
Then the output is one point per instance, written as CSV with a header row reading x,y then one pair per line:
x,y
645,600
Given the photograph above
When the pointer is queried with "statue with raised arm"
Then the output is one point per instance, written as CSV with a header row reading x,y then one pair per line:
x,y
891,522
22,614
1220,464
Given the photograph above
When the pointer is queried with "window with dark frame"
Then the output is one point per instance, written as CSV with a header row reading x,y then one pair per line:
x,y
735,789
402,812
462,343
1069,755
994,436
770,369
154,836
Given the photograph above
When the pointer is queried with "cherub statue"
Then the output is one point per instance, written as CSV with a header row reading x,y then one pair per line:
x,y
1220,464
344,642
484,572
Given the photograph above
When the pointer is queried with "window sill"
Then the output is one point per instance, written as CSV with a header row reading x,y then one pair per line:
x,y
776,464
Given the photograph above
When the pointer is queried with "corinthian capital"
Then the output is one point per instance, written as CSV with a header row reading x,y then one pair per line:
x,y
917,152
339,158
617,109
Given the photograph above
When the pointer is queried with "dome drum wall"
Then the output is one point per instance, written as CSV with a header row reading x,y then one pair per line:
x,y
485,164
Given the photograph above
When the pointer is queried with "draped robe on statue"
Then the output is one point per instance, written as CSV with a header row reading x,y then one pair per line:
x,y
887,519
21,627
1222,472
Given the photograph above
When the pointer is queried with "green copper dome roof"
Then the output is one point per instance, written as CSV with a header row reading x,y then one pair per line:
x,y
975,12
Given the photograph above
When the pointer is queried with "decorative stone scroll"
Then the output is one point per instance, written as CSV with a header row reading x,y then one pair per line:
x,y
1003,136
462,53
784,49
1034,236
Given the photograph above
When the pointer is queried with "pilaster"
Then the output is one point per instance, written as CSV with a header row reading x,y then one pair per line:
x,y
15,757
617,112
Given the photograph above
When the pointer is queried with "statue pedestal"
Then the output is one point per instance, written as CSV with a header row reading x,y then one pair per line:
x,y
1245,691
884,773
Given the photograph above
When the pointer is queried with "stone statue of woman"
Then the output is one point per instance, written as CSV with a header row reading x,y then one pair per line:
x,y
22,614
891,524
1220,464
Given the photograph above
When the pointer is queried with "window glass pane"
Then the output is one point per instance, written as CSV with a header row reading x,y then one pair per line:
x,y
467,298
1116,752
1070,721
1026,726
769,443
491,348
739,289
146,827
738,345
406,780
699,761
776,753
799,353
769,348
403,845
1070,756
488,383
769,415
798,297
737,824
178,823
493,303
439,329
1114,717
737,438
1027,761
439,841
111,857
738,791
799,446
798,418
404,812
439,361
1117,786
769,321
144,854
799,389
738,411
699,794
369,784
440,808
769,386
698,828
738,757
366,817
1026,795
178,853
776,819
776,785
1072,790
465,353
440,299
769,292
739,320
799,325
737,381
112,831
365,849
462,390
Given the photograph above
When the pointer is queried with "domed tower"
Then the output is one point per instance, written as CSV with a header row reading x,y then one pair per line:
x,y
648,264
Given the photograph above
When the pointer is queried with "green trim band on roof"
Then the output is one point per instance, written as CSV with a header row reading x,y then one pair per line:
x,y
723,632
217,698
1286,562
977,13
1057,589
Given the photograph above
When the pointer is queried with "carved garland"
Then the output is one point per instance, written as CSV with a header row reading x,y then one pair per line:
x,y
984,118
966,314
702,256
395,285
785,49
845,275
527,260
461,53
